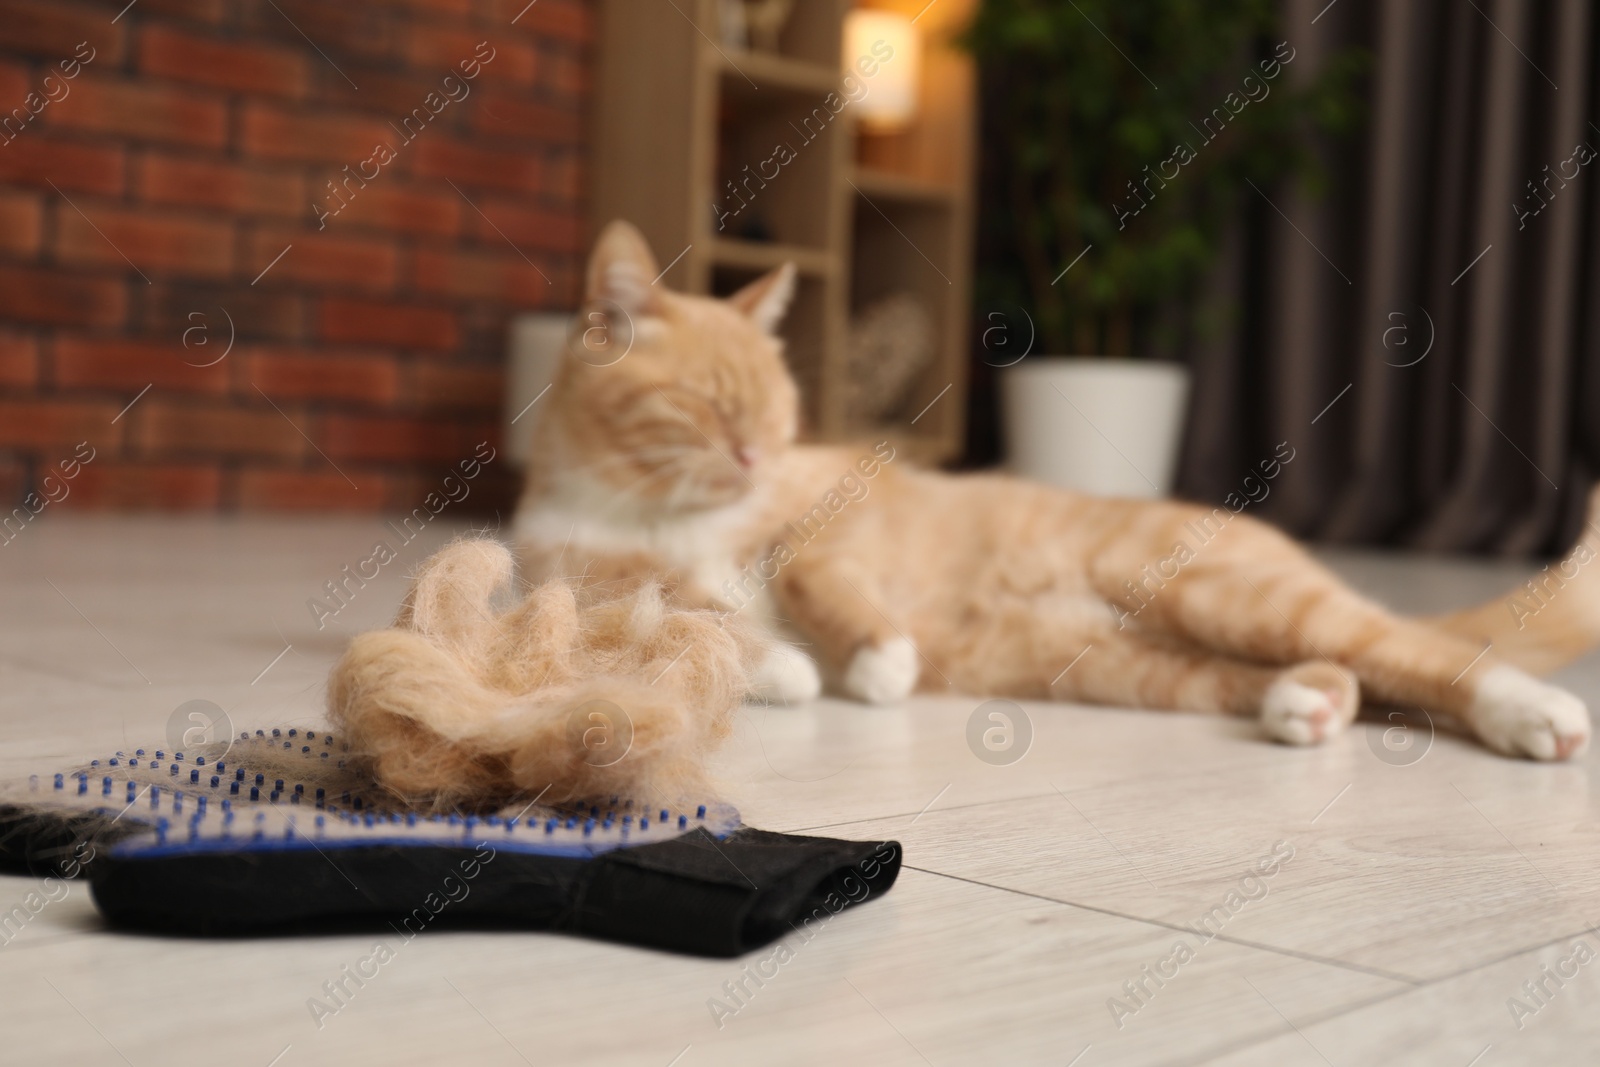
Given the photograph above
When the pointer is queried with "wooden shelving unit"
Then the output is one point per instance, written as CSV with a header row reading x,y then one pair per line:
x,y
680,116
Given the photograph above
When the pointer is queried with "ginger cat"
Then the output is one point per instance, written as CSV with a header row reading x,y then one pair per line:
x,y
677,461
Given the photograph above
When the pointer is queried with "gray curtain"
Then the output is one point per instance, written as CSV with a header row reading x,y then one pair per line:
x,y
1426,332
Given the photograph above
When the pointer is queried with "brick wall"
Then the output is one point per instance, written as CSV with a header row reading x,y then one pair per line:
x,y
154,166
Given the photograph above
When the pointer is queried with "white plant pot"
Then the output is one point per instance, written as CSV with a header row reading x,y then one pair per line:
x,y
1110,427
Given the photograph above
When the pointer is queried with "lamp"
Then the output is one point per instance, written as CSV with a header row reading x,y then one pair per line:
x,y
883,49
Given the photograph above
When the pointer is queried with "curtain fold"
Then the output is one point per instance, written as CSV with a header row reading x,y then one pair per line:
x,y
1425,332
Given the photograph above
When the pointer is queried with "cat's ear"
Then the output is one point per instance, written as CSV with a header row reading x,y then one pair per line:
x,y
766,299
621,270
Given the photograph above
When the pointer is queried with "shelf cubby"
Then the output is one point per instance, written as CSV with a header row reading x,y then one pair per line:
x,y
681,113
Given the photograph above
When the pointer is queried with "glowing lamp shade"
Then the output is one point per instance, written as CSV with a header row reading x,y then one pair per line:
x,y
886,45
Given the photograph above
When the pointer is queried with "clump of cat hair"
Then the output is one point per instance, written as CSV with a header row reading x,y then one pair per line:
x,y
568,693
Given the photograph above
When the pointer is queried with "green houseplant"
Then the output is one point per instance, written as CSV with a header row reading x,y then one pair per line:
x,y
1126,136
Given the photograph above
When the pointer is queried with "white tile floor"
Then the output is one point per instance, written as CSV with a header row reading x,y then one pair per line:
x,y
1421,894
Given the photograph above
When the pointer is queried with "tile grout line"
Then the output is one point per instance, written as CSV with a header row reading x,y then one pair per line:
x,y
1421,984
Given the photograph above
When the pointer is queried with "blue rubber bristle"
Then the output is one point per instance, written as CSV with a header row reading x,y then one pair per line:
x,y
350,810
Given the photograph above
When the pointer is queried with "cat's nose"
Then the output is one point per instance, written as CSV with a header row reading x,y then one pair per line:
x,y
748,455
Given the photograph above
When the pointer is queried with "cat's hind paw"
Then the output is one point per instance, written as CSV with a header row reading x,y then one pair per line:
x,y
1516,714
883,674
786,676
1310,703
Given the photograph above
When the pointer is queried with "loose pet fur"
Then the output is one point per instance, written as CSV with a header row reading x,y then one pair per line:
x,y
679,461
565,693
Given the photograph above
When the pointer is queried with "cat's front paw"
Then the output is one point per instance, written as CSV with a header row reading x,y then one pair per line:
x,y
1515,713
786,676
883,674
1310,703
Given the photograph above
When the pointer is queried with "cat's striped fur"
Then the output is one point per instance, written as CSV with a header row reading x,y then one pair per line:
x,y
679,461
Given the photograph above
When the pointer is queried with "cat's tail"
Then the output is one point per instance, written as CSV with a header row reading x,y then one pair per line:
x,y
1550,620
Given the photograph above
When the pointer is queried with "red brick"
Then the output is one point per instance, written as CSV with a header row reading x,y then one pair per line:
x,y
388,206
53,31
246,68
387,91
163,428
36,158
497,486
297,375
339,29
507,277
323,259
16,82
206,11
444,49
108,484
152,242
317,491
100,363
469,164
349,321
34,294
13,482
273,133
171,308
505,115
163,179
526,227
141,111
19,360
20,218
443,387
53,423
441,7
571,20
564,174
564,75
396,438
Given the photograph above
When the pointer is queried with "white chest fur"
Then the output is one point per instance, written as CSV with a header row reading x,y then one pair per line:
x,y
585,519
